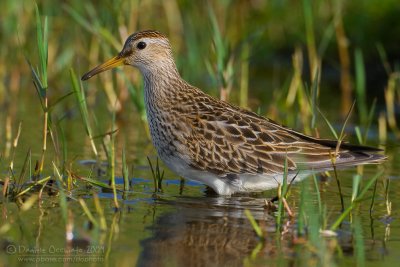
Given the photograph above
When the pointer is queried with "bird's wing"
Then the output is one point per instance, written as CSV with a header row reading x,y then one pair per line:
x,y
224,139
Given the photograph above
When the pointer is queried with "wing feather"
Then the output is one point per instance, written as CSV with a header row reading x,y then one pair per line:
x,y
230,140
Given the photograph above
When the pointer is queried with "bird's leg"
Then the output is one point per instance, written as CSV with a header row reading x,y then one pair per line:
x,y
275,198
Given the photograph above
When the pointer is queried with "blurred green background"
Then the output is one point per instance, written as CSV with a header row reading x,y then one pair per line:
x,y
268,56
84,33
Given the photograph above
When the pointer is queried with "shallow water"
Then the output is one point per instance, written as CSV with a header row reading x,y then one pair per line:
x,y
185,225
181,228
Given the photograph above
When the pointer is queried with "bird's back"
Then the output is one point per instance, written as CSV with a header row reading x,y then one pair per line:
x,y
217,137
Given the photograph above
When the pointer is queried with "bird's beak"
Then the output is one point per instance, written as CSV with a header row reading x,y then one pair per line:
x,y
109,64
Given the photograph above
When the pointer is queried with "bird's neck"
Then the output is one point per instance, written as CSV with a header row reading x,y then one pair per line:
x,y
162,83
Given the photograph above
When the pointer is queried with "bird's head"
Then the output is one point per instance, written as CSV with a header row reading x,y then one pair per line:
x,y
146,50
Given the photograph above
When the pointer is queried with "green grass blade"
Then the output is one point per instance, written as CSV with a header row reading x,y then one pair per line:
x,y
360,85
62,196
356,186
95,182
42,42
346,121
88,212
282,188
22,175
369,120
359,198
111,161
81,99
358,134
384,59
301,220
154,175
39,182
314,98
319,201
94,28
333,131
254,224
38,84
125,171
359,242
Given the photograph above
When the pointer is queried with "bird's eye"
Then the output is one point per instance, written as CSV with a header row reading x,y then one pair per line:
x,y
141,45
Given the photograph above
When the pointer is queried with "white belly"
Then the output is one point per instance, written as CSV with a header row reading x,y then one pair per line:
x,y
226,186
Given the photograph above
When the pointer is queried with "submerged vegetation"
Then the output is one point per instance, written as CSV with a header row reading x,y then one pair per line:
x,y
68,151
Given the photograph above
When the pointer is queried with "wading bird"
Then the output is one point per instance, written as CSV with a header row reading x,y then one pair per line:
x,y
228,148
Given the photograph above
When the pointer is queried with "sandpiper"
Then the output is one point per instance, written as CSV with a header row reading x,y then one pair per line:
x,y
228,148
